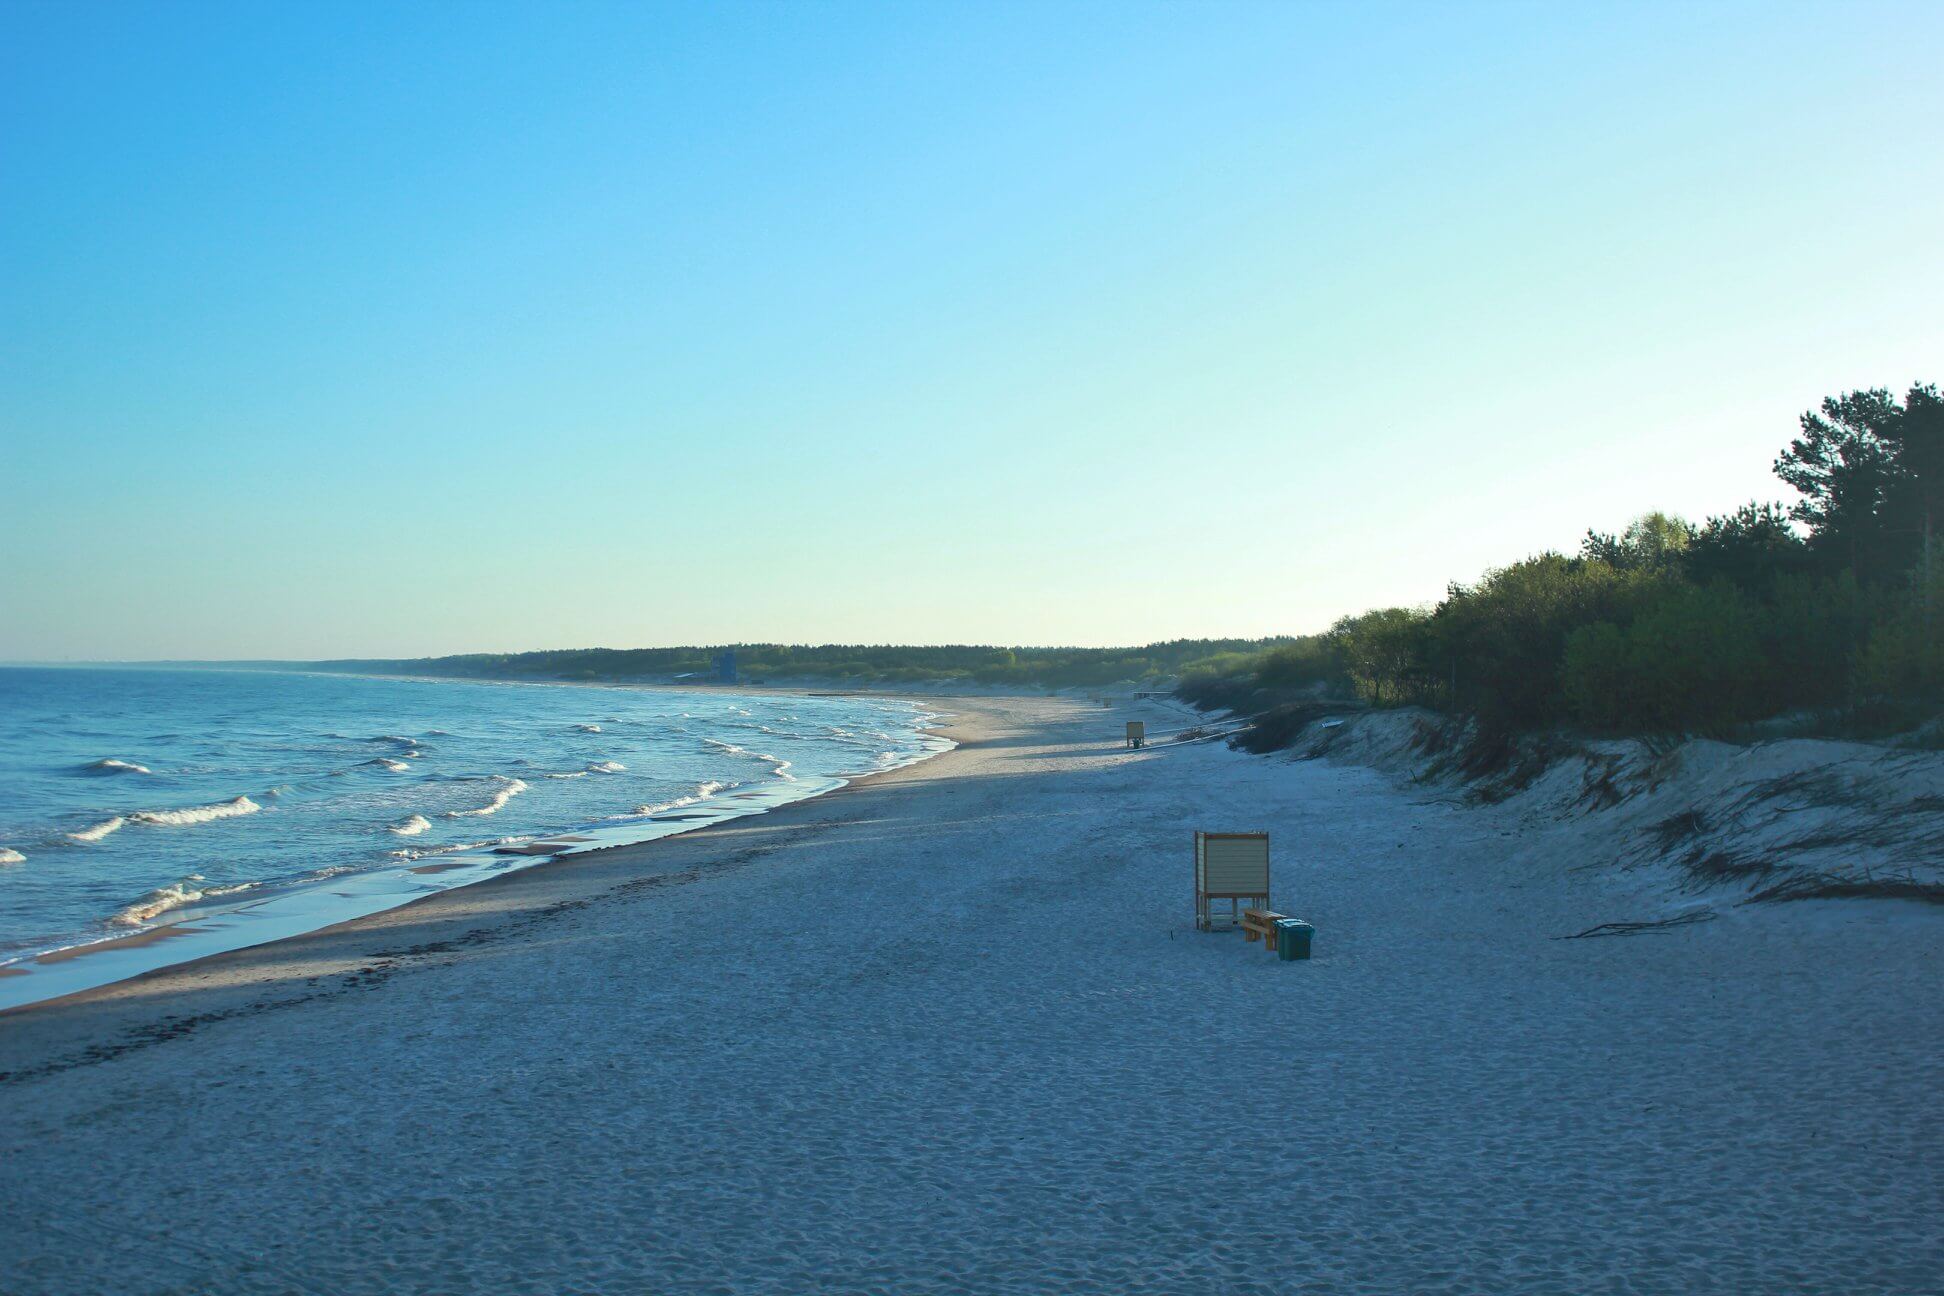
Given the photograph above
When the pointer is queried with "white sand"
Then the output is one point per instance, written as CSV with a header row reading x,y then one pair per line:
x,y
951,1032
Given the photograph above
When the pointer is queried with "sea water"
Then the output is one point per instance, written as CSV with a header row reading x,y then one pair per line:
x,y
135,798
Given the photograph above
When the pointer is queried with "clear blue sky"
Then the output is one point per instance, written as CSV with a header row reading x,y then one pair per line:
x,y
343,329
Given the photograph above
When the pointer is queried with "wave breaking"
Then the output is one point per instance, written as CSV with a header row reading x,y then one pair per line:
x,y
111,765
174,896
95,832
196,814
703,791
509,788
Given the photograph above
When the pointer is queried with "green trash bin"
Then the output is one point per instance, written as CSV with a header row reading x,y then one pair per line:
x,y
1293,937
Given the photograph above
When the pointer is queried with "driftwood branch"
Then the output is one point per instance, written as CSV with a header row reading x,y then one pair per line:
x,y
1635,928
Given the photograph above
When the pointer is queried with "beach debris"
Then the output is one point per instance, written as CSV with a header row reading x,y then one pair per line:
x,y
1688,919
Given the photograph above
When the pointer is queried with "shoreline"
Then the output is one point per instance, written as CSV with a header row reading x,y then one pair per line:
x,y
290,910
962,1011
112,1017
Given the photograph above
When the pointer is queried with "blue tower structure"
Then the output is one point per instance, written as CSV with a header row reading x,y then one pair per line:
x,y
725,666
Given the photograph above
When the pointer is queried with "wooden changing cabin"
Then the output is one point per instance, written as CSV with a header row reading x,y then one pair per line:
x,y
1137,733
1232,867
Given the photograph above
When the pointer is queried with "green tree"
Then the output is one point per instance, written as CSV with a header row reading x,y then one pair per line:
x,y
1847,465
1385,654
1691,659
1919,437
1502,640
1748,547
1652,541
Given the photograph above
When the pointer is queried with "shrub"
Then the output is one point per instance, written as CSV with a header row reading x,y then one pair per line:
x,y
1385,654
1306,663
1691,659
1904,657
1504,639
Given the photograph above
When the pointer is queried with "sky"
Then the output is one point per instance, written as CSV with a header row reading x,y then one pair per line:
x,y
382,330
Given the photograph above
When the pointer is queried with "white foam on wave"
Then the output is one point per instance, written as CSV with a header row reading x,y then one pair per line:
x,y
197,814
395,766
570,774
428,851
174,896
394,740
411,827
8,855
588,728
703,791
607,767
509,788
95,832
113,766
778,766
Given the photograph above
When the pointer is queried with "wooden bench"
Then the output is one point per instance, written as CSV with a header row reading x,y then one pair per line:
x,y
1261,923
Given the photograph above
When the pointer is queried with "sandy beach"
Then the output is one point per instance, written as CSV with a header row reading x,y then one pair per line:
x,y
950,1029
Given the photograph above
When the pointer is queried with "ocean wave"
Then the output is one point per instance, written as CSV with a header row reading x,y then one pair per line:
x,y
174,896
197,814
703,791
10,856
607,767
588,728
394,740
569,774
395,766
112,766
95,832
778,766
411,827
509,788
427,852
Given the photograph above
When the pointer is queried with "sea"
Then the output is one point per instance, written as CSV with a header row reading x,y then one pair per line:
x,y
239,806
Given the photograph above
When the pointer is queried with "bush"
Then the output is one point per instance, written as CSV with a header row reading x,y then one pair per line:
x,y
1691,659
1504,639
1386,655
1310,661
1904,657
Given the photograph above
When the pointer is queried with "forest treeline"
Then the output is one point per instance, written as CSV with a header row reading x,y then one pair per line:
x,y
1831,605
1041,668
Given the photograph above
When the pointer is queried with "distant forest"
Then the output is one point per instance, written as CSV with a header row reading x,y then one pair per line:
x,y
1041,668
1830,608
